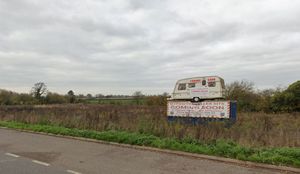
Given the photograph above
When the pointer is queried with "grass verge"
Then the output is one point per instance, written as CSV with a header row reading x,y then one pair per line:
x,y
223,148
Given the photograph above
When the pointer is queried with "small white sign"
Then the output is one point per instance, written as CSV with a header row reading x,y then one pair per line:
x,y
206,109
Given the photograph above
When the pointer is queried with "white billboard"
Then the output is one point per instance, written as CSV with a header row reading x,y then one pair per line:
x,y
206,109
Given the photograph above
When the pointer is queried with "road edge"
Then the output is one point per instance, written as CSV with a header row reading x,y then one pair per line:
x,y
173,152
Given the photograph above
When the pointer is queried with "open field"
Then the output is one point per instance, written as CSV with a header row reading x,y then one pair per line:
x,y
114,101
251,129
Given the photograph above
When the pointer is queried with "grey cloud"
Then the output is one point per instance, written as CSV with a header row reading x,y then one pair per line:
x,y
122,46
209,34
137,5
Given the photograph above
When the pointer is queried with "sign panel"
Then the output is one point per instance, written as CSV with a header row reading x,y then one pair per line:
x,y
206,109
202,91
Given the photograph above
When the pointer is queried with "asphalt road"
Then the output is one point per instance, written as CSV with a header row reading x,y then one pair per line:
x,y
28,153
10,164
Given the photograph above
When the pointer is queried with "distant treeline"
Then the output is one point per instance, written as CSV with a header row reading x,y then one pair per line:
x,y
248,98
39,94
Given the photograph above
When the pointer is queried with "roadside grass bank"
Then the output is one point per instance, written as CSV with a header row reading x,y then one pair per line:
x,y
220,147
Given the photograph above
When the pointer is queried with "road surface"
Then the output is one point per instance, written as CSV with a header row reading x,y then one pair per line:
x,y
29,153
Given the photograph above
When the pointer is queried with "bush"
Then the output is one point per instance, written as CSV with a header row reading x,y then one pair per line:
x,y
12,98
243,93
54,98
156,100
287,100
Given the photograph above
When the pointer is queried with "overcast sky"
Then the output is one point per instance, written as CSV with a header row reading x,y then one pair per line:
x,y
120,46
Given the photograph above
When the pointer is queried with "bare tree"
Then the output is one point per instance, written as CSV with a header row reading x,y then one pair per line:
x,y
71,93
39,89
237,89
165,94
72,97
89,96
137,95
99,96
244,93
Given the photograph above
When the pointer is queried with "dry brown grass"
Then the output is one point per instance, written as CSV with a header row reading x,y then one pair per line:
x,y
251,129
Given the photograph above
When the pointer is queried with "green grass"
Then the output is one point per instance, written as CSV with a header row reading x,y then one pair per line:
x,y
223,148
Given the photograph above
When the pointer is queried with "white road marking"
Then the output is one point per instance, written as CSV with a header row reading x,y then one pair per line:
x,y
73,172
41,163
13,155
